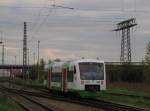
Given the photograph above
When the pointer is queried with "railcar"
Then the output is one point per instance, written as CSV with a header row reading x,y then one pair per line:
x,y
85,77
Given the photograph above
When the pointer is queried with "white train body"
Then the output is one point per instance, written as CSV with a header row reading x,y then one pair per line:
x,y
78,75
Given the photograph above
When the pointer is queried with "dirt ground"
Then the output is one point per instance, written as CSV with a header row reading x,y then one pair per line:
x,y
66,106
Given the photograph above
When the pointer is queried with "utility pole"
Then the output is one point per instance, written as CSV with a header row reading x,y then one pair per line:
x,y
28,62
15,60
28,57
34,58
3,54
1,42
38,61
25,51
125,27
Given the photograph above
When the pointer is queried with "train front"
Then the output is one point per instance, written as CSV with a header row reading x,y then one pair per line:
x,y
92,77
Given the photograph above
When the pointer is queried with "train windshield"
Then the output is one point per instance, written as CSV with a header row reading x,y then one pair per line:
x,y
91,71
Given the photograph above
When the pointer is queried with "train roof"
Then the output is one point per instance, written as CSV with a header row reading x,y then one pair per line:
x,y
70,62
57,66
89,60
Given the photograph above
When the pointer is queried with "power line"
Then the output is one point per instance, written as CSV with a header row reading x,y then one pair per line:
x,y
63,7
41,7
24,6
39,14
40,25
49,12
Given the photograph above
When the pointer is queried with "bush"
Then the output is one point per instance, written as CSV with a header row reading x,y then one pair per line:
x,y
146,72
124,73
130,73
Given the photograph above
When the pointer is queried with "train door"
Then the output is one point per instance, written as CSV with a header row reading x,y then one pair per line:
x,y
64,84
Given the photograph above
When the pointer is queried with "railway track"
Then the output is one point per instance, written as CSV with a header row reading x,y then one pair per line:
x,y
45,90
106,105
39,88
129,95
115,106
28,104
25,102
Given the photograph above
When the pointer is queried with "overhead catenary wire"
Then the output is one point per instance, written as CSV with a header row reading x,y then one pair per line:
x,y
49,13
97,21
123,9
22,7
41,7
38,16
40,24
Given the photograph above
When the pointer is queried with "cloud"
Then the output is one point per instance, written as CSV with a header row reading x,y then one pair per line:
x,y
83,32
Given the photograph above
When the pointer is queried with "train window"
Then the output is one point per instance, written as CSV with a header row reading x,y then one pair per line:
x,y
91,71
70,76
56,77
74,70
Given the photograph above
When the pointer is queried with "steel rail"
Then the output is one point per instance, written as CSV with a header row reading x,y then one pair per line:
x,y
129,95
25,107
107,105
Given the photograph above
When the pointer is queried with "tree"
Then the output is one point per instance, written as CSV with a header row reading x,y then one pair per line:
x,y
34,71
147,56
147,64
57,60
50,61
42,72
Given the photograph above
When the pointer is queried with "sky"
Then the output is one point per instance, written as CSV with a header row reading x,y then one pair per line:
x,y
67,34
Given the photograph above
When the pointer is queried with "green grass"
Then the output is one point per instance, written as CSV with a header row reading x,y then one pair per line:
x,y
136,101
127,91
29,82
4,78
86,94
7,105
139,102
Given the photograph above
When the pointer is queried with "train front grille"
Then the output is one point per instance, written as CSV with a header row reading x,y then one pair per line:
x,y
92,87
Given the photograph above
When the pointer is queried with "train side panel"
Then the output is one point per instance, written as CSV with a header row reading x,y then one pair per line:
x,y
66,77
